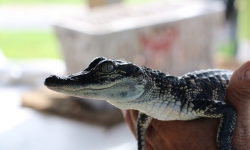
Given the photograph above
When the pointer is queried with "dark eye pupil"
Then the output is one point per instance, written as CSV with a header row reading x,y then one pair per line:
x,y
107,67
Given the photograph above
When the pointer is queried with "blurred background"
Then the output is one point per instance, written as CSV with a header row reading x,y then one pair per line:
x,y
43,37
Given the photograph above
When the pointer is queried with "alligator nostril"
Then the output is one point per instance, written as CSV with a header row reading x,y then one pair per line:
x,y
51,80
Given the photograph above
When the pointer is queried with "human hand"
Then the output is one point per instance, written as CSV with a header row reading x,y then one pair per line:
x,y
177,135
201,133
238,95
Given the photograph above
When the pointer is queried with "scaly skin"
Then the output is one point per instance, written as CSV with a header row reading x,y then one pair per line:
x,y
155,94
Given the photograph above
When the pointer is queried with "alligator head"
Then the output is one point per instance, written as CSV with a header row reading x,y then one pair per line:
x,y
113,80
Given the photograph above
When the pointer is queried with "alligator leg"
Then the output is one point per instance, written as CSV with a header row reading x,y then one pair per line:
x,y
143,121
226,129
227,117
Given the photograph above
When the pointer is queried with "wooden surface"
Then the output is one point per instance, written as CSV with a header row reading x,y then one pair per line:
x,y
71,107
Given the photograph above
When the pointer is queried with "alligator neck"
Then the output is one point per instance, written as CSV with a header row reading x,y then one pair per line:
x,y
165,86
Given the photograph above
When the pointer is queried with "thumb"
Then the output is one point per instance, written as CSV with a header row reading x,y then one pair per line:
x,y
238,95
238,91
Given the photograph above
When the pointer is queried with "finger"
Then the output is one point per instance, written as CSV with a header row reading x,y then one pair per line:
x,y
150,145
134,115
238,91
129,120
131,117
189,135
238,95
154,141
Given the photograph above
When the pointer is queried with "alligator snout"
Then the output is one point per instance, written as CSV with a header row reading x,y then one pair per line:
x,y
52,80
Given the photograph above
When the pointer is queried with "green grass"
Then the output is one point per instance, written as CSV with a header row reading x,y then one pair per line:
x,y
65,1
37,44
244,19
40,1
227,49
29,44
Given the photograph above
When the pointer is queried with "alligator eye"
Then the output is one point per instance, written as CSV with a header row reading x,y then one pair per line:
x,y
108,67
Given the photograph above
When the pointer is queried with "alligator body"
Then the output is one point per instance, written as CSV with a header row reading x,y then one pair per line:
x,y
155,94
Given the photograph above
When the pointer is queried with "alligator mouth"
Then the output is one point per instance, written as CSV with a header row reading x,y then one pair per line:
x,y
55,83
120,89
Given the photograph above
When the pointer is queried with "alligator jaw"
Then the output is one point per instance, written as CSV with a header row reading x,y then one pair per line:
x,y
52,81
66,85
119,91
